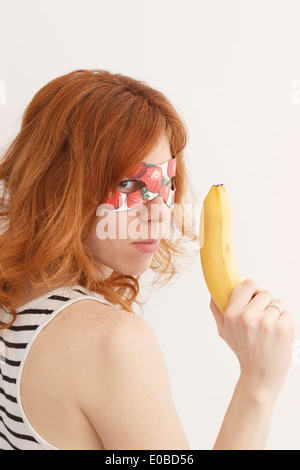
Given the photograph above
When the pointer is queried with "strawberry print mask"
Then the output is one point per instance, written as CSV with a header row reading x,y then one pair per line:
x,y
144,184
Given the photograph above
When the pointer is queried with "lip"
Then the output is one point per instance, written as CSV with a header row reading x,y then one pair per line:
x,y
148,246
149,240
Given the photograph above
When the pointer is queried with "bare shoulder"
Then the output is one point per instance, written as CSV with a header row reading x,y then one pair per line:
x,y
95,319
117,333
104,337
83,332
105,365
98,333
126,391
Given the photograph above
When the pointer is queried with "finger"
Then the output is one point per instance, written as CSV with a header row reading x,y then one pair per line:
x,y
219,317
274,310
242,295
260,302
284,322
288,319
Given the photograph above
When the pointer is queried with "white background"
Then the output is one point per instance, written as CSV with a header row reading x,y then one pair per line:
x,y
231,68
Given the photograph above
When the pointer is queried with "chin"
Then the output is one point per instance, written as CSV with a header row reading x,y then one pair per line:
x,y
134,270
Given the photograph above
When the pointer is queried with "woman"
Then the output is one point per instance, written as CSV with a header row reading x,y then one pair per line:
x,y
90,175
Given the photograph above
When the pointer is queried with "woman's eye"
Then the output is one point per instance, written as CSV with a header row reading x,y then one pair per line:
x,y
171,183
130,186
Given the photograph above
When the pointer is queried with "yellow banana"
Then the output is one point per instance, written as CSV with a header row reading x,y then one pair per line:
x,y
217,256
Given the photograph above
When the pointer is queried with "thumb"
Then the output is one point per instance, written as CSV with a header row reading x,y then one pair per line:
x,y
219,317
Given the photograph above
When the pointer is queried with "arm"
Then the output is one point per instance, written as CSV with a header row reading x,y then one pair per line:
x,y
247,421
127,395
263,346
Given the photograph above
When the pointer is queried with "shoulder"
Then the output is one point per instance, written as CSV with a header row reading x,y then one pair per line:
x,y
100,344
124,387
108,341
93,318
77,348
95,331
108,363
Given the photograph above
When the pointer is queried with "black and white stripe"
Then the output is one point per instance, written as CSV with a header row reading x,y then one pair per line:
x,y
15,431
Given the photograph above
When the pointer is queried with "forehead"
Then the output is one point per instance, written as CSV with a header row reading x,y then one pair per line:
x,y
147,162
161,153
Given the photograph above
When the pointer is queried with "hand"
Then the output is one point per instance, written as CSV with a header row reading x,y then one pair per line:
x,y
261,341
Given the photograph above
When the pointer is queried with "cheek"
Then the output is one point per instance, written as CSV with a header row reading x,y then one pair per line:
x,y
106,250
108,224
119,226
146,221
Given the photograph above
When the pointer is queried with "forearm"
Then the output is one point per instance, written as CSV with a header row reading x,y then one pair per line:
x,y
247,421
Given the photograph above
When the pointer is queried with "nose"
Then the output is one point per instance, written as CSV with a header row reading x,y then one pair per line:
x,y
157,210
153,218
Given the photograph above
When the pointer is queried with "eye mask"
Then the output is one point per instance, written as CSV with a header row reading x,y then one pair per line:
x,y
144,184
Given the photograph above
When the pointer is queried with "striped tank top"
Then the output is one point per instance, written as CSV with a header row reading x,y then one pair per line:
x,y
16,432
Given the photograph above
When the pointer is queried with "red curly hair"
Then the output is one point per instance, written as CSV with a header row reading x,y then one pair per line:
x,y
79,135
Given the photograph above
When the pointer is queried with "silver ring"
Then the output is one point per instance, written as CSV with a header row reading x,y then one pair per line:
x,y
276,306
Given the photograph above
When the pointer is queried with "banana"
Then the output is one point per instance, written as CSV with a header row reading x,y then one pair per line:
x,y
217,256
